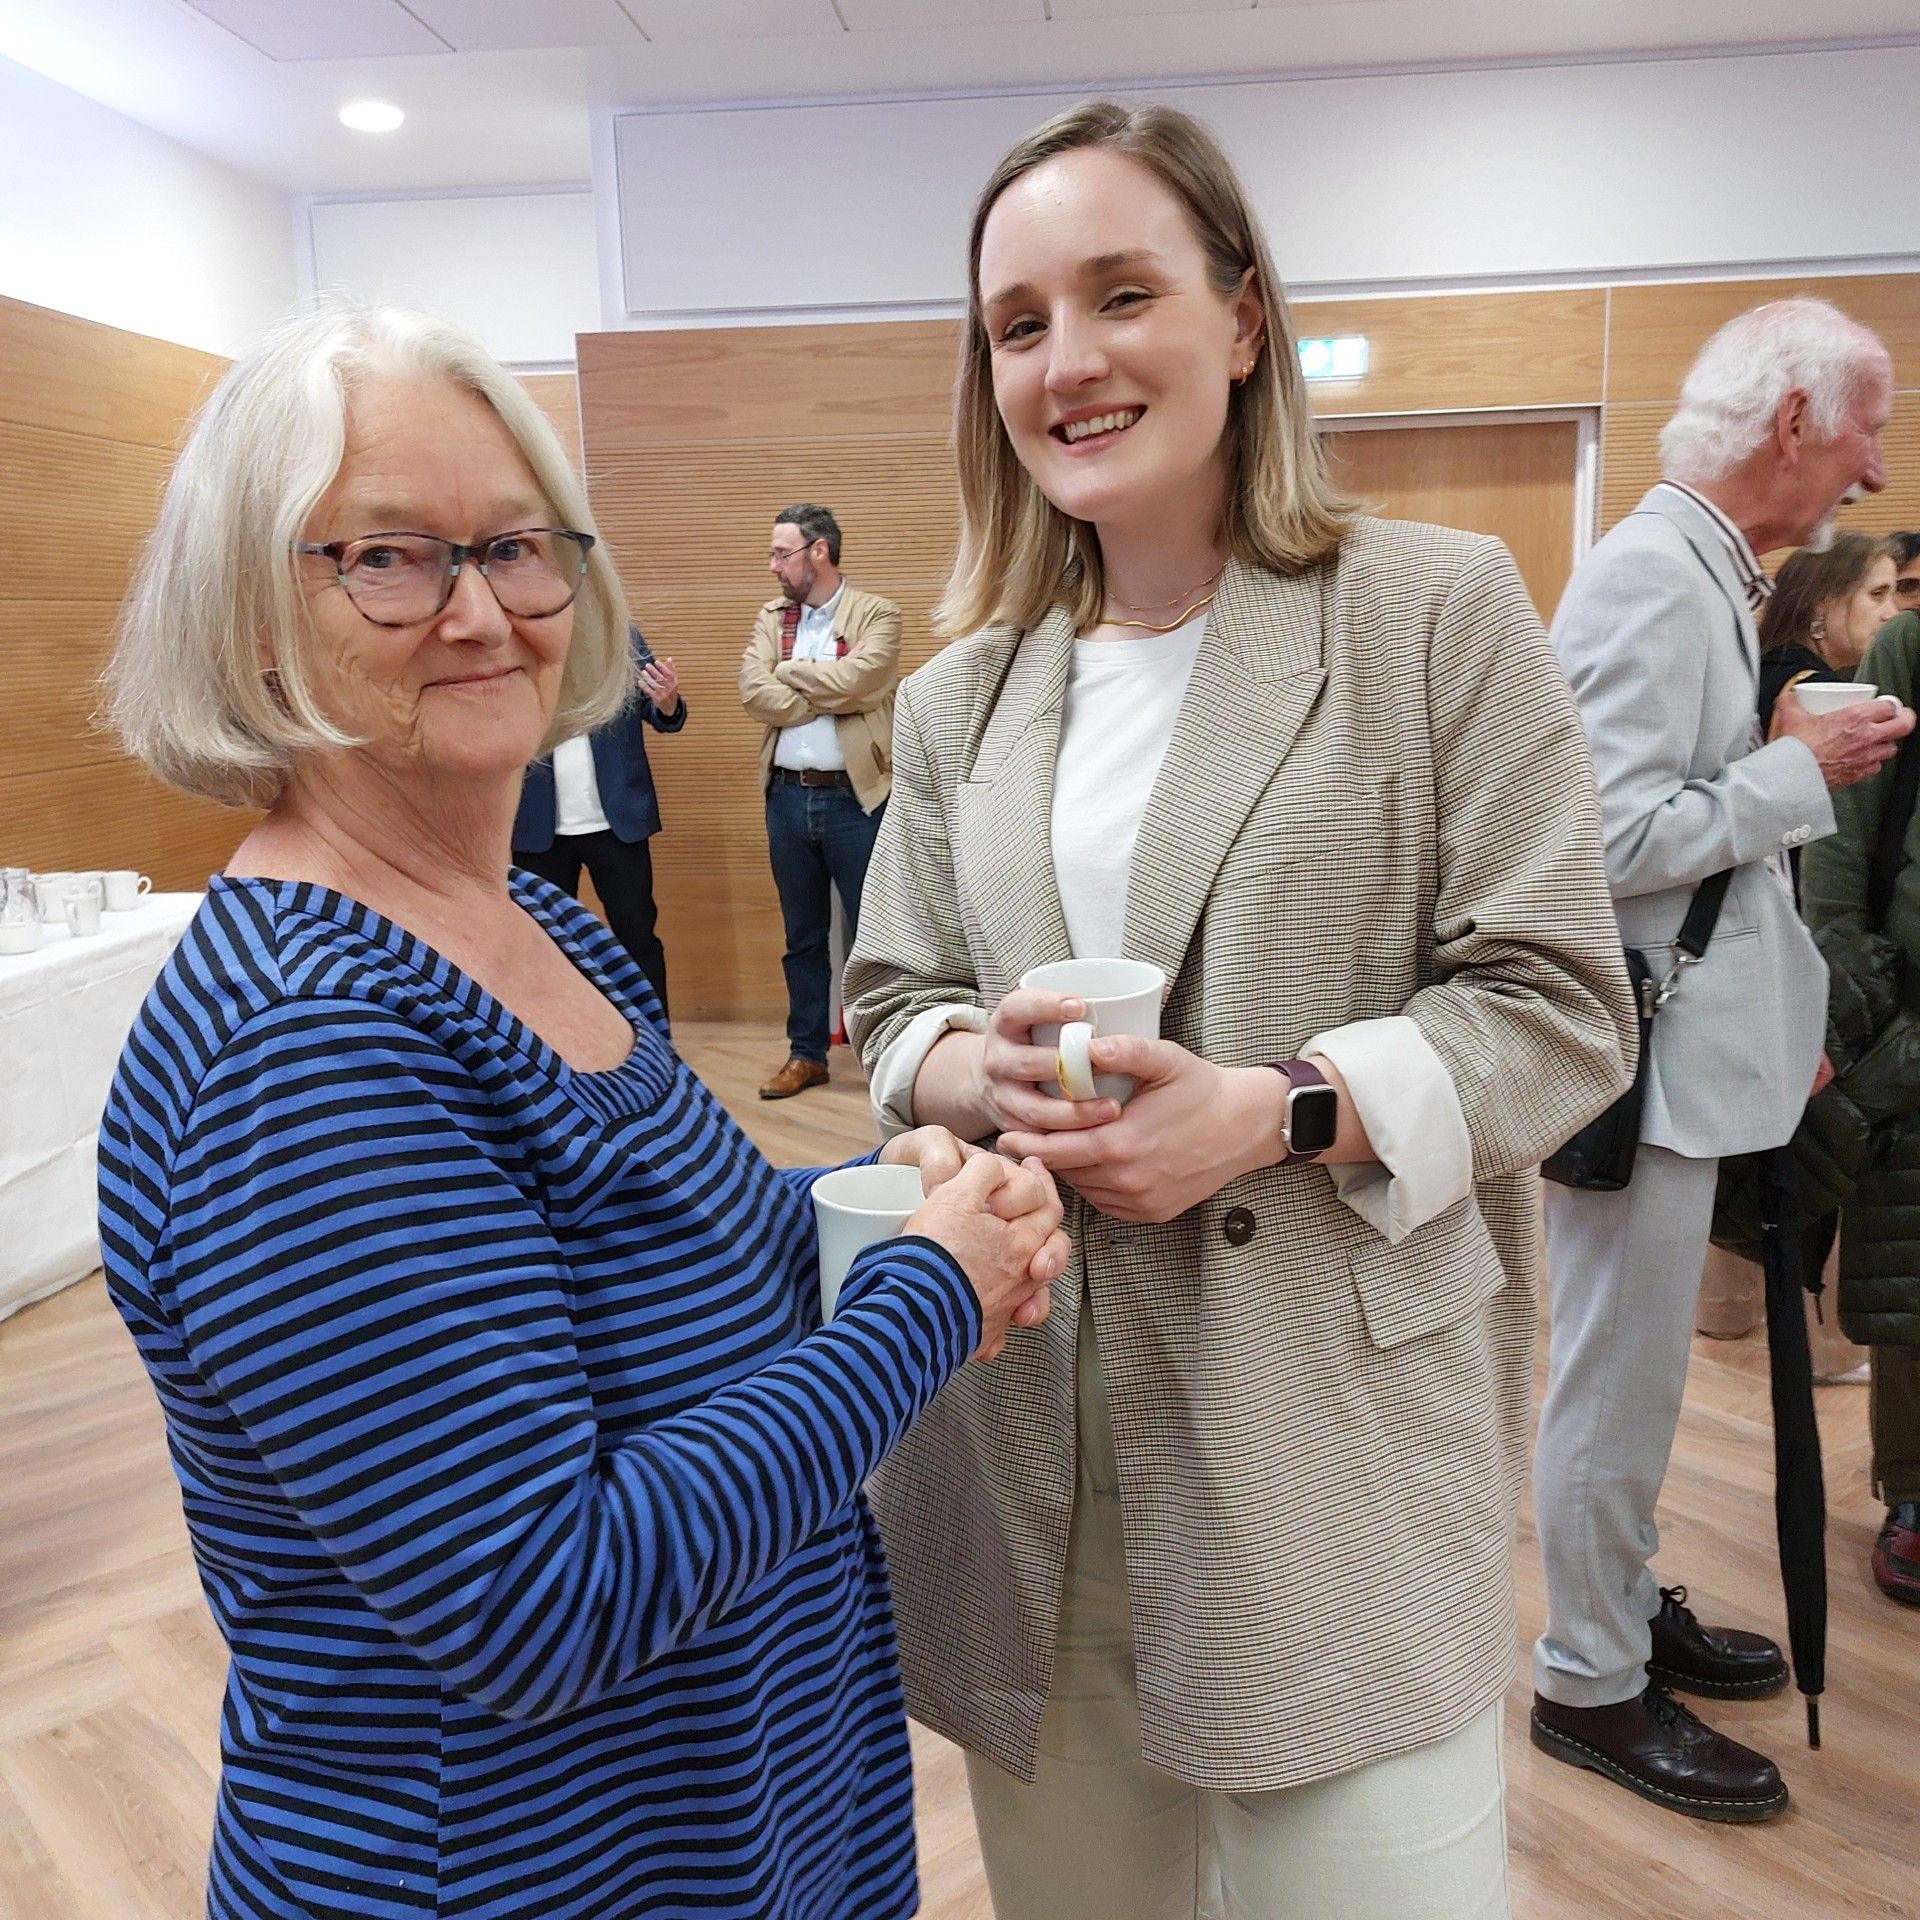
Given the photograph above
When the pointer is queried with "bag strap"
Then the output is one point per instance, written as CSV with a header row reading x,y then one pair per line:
x,y
1890,844
1696,931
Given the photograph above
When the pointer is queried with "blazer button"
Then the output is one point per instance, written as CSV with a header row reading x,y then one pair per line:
x,y
1238,1226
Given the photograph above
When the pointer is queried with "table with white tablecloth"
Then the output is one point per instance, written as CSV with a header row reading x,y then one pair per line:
x,y
64,1014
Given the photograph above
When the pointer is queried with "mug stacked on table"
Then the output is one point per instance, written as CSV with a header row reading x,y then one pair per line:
x,y
29,901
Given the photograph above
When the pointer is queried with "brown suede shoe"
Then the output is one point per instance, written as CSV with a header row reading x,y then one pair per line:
x,y
795,1077
1654,1747
1896,1554
1725,1662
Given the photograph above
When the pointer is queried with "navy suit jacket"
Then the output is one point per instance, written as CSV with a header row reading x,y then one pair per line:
x,y
620,771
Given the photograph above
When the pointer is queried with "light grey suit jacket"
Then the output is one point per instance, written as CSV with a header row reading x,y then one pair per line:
x,y
1657,642
1376,802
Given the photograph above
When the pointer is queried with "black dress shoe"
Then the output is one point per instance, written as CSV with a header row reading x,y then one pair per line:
x,y
1654,1747
1720,1661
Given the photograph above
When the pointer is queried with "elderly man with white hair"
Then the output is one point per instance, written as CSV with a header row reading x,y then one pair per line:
x,y
1779,422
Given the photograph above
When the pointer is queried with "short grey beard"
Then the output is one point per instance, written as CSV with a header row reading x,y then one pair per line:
x,y
1824,535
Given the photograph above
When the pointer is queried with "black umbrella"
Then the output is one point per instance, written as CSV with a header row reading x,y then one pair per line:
x,y
1799,1489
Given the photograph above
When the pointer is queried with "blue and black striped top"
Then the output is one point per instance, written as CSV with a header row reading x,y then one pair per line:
x,y
523,1481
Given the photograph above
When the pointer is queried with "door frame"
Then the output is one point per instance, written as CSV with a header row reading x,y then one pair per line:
x,y
1586,448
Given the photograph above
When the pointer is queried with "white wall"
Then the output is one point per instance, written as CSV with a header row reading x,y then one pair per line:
x,y
1418,180
518,269
102,218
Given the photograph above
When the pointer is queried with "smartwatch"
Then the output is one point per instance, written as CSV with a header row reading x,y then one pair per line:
x,y
1311,1117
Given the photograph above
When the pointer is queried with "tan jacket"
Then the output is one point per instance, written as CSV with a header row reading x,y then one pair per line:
x,y
856,689
1377,800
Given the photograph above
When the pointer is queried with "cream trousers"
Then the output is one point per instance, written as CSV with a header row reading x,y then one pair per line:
x,y
1101,1835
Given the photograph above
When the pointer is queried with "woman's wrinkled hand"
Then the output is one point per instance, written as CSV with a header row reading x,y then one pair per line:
x,y
1001,1222
1189,1129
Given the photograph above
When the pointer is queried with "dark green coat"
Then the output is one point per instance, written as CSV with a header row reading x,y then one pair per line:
x,y
1859,1146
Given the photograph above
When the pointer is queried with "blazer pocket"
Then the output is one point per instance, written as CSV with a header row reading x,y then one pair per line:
x,y
1278,834
1434,1278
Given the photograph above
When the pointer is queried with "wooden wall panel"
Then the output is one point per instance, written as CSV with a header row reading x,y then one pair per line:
x,y
1514,479
89,418
689,517
558,396
767,383
1657,330
80,378
1465,352
1630,456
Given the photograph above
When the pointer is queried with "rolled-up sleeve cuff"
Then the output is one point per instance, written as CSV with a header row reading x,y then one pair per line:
x,y
1407,1102
890,1086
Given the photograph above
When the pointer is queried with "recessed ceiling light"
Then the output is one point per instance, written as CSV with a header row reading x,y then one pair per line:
x,y
371,116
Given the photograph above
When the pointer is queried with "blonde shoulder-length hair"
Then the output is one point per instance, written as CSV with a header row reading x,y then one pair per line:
x,y
210,683
1018,554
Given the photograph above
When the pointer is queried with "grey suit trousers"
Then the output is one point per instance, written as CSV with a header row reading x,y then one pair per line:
x,y
1623,1278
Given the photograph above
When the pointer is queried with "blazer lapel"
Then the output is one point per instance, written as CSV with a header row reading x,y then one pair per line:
x,y
1254,682
1709,546
1003,847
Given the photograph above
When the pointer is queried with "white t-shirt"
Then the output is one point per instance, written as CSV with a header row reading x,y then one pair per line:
x,y
1122,699
814,743
576,793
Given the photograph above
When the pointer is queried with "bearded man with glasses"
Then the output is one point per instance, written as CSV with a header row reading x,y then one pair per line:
x,y
819,673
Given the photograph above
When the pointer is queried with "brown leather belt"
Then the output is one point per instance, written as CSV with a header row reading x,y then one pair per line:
x,y
813,776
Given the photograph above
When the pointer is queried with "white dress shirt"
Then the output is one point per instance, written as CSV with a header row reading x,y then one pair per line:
x,y
814,743
576,793
1123,698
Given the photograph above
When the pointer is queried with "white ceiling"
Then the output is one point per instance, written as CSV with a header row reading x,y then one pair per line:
x,y
500,92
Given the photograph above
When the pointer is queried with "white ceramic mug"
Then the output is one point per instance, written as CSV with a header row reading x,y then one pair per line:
x,y
47,888
1829,696
123,889
854,1207
80,908
1121,996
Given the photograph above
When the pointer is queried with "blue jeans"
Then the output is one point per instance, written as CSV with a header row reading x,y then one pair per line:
x,y
819,838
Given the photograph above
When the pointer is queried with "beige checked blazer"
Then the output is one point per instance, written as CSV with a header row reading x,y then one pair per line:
x,y
1377,800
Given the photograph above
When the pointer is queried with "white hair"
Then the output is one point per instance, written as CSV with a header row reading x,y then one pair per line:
x,y
1734,387
209,685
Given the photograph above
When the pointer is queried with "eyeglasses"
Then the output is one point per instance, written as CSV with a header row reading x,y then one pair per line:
x,y
1908,587
401,579
777,554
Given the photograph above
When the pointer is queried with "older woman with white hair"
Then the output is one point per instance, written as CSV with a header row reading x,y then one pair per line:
x,y
523,1479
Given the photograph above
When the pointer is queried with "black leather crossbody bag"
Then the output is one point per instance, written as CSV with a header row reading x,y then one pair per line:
x,y
1600,1156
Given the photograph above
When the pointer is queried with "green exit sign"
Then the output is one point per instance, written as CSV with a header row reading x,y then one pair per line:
x,y
1343,358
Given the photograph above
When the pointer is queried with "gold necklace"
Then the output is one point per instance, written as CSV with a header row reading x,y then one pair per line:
x,y
1159,606
1179,619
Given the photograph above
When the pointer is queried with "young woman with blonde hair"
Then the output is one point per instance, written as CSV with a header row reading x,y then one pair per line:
x,y
1211,1576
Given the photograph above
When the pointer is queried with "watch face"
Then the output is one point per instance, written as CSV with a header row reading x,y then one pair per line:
x,y
1313,1118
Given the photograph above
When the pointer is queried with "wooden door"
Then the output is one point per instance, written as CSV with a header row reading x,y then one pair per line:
x,y
1516,480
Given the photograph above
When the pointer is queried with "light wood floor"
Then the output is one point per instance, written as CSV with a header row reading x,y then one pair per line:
x,y
110,1671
